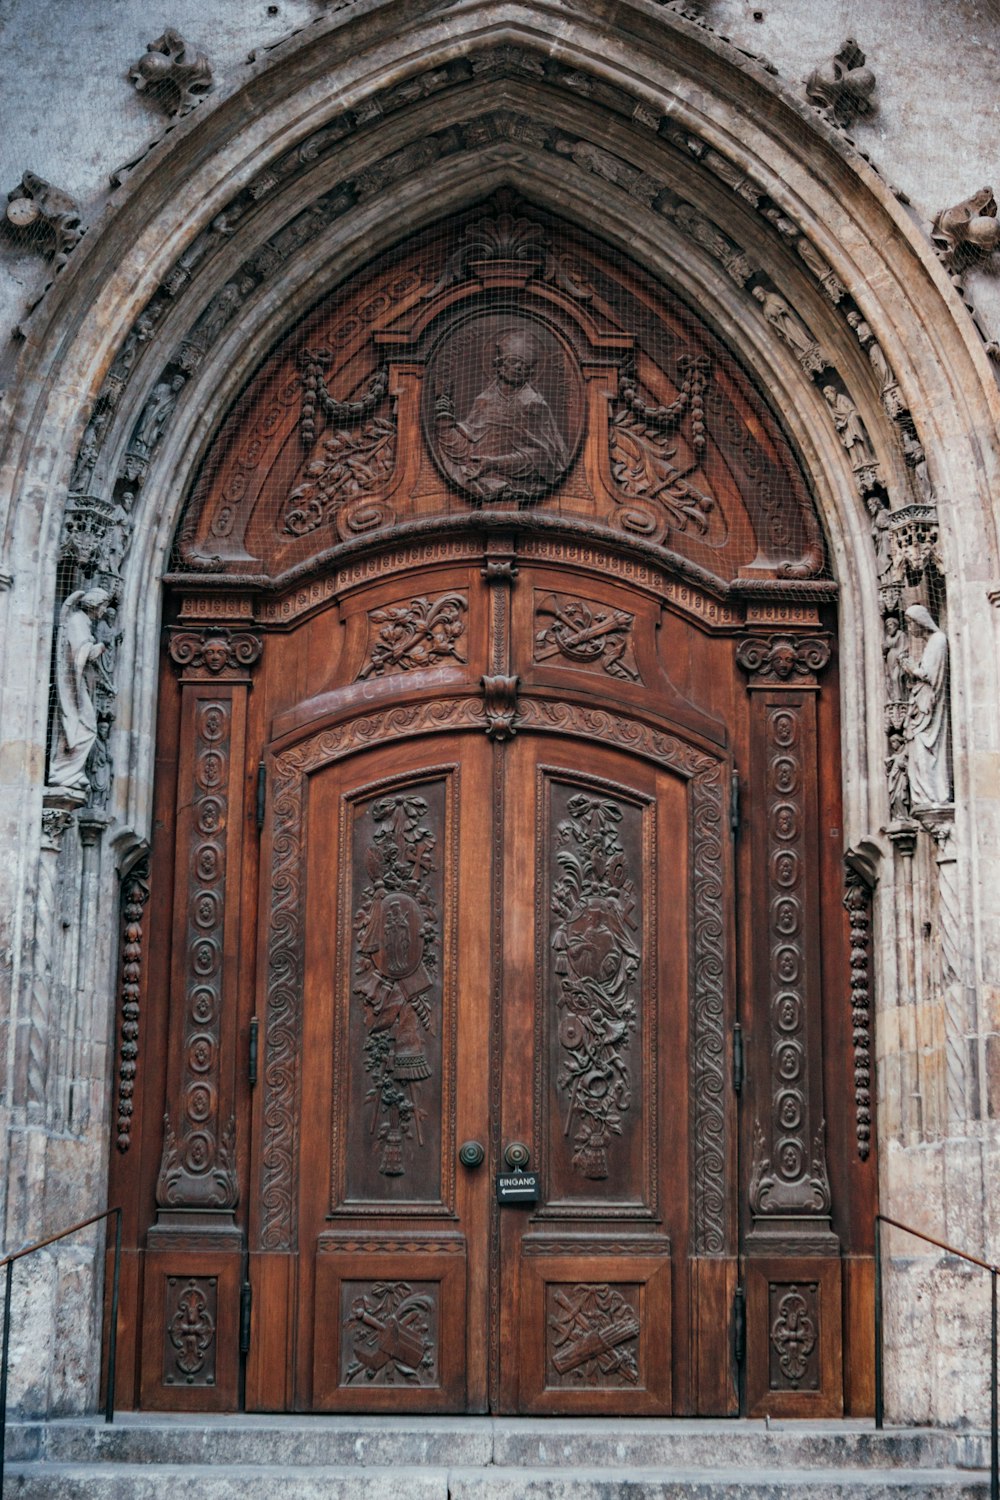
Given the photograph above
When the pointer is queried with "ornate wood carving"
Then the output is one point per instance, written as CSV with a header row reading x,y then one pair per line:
x,y
390,1333
418,633
788,1175
500,706
710,1189
585,634
135,894
596,960
858,901
189,1339
794,1336
355,464
593,1336
219,652
503,408
280,1075
396,957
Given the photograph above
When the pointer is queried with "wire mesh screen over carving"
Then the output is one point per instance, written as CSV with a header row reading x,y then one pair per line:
x,y
500,361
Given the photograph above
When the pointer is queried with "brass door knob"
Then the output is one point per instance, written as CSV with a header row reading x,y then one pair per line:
x,y
471,1154
516,1156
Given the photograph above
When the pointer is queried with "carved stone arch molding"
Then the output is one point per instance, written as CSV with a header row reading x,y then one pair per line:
x,y
704,169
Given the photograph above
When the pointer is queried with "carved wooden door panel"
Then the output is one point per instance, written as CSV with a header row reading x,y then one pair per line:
x,y
496,952
595,1064
394,1078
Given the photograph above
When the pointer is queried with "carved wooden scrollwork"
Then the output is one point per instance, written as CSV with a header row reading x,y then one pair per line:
x,y
783,658
220,651
415,634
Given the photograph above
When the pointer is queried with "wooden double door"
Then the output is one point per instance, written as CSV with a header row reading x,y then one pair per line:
x,y
499,950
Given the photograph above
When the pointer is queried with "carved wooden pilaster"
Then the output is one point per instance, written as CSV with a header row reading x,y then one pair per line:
x,y
198,1170
135,894
499,687
858,901
789,1187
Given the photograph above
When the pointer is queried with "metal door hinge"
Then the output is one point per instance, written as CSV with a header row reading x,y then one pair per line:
x,y
254,1048
739,1325
734,800
261,794
246,1306
738,1063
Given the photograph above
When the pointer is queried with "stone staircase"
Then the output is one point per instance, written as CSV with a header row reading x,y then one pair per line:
x,y
158,1457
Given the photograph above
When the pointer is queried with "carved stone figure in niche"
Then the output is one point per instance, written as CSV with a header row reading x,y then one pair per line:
x,y
898,779
926,727
894,650
514,439
916,460
843,85
881,536
850,428
156,414
77,653
790,329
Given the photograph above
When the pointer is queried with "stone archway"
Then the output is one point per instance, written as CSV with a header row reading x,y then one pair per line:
x,y
758,174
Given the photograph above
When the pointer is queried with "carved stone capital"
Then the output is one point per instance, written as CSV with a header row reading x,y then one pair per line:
x,y
903,836
939,822
214,653
172,72
789,660
55,821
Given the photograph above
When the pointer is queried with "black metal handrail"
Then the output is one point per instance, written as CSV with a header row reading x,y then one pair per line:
x,y
7,1263
974,1260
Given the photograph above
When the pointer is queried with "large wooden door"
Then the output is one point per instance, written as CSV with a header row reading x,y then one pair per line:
x,y
497,956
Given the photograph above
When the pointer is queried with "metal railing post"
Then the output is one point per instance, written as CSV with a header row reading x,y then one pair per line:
x,y
994,1448
879,1389
109,1408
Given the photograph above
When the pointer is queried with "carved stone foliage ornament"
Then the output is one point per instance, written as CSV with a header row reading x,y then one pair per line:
x,y
593,1336
583,633
397,955
390,1334
45,219
503,409
858,901
843,86
172,73
595,961
419,633
967,233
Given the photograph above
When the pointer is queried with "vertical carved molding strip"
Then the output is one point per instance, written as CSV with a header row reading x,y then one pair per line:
x,y
789,1188
858,901
199,1167
135,894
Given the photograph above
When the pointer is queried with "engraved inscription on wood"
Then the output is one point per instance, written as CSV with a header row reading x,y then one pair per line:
x,y
592,1336
581,633
389,1333
393,1124
595,983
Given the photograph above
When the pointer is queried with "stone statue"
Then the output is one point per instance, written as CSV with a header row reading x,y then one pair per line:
x,y
850,428
896,775
77,654
508,446
156,414
894,646
789,328
926,726
881,537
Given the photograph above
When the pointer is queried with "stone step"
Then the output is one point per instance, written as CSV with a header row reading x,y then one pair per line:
x,y
53,1481
505,1442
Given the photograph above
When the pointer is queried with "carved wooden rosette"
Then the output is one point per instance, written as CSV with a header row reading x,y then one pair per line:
x,y
789,1188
